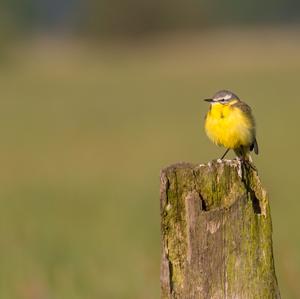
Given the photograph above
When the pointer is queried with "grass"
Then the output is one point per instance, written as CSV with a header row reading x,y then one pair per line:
x,y
85,130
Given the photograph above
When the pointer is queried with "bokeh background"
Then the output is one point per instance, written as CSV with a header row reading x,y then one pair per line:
x,y
96,97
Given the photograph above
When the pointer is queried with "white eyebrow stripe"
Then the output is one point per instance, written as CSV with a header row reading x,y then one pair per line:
x,y
218,99
226,97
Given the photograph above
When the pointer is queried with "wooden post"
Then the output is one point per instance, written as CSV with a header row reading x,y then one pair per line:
x,y
216,233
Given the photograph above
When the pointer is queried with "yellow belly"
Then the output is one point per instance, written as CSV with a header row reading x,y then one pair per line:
x,y
229,126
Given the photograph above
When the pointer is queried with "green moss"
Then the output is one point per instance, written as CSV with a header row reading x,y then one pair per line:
x,y
173,226
244,231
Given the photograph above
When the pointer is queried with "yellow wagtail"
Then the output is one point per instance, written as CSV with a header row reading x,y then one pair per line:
x,y
230,123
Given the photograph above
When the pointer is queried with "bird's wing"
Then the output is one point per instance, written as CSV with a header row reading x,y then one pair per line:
x,y
246,109
243,106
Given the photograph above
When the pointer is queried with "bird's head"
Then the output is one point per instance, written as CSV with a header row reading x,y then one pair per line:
x,y
223,97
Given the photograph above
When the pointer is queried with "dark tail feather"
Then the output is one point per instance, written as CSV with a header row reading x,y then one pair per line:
x,y
254,146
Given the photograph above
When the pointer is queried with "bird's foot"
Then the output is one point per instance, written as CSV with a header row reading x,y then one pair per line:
x,y
247,163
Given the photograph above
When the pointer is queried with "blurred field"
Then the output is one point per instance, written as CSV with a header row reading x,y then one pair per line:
x,y
85,131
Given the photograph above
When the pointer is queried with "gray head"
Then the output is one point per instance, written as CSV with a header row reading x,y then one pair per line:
x,y
223,97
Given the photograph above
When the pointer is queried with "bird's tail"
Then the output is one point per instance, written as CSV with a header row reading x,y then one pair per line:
x,y
254,146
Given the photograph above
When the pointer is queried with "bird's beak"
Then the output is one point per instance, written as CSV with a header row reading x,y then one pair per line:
x,y
208,100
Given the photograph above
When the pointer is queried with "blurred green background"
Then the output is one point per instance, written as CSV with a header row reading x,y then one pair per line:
x,y
96,98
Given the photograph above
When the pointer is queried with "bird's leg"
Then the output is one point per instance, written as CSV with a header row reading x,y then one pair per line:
x,y
246,160
225,153
245,157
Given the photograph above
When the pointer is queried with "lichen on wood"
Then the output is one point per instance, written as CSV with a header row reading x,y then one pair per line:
x,y
216,233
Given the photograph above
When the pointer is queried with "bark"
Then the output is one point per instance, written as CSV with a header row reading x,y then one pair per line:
x,y
216,233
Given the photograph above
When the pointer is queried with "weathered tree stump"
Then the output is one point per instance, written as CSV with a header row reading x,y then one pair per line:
x,y
216,233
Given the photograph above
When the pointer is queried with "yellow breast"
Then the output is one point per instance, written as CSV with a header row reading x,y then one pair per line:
x,y
229,126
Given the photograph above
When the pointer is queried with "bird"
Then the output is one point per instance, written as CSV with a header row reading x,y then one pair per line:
x,y
230,123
